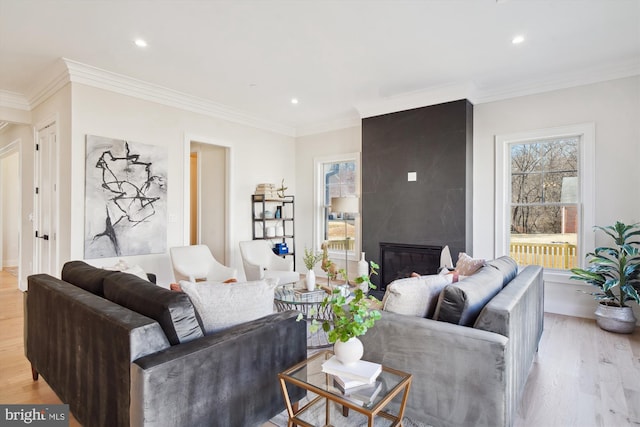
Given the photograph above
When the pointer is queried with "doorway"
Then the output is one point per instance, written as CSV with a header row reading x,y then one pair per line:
x,y
10,208
208,198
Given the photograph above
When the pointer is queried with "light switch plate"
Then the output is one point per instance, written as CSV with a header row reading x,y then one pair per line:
x,y
412,176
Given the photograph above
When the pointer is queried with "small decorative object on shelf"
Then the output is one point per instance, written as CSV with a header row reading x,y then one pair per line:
x,y
281,190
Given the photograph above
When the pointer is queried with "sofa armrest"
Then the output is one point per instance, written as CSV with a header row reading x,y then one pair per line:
x,y
253,271
226,379
69,330
459,375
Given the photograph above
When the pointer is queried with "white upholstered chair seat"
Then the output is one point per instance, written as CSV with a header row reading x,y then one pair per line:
x,y
196,262
260,262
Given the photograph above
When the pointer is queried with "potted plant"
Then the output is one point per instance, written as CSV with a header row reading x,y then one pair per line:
x,y
614,271
311,258
352,317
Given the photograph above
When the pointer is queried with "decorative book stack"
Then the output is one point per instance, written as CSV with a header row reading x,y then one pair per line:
x,y
267,190
357,382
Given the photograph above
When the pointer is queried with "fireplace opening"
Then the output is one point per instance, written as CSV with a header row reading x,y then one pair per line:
x,y
400,260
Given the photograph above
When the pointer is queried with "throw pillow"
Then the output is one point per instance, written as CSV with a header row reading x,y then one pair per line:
x,y
461,302
124,267
221,306
415,296
466,265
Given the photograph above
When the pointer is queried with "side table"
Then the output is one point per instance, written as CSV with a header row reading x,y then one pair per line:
x,y
309,376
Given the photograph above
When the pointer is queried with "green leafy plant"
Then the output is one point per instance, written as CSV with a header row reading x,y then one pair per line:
x,y
311,258
614,270
353,316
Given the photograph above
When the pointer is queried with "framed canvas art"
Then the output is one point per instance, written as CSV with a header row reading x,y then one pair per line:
x,y
125,198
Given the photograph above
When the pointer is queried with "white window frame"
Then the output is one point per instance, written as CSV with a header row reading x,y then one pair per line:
x,y
319,206
586,173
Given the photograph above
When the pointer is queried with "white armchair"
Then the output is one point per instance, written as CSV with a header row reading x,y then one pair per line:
x,y
260,262
196,262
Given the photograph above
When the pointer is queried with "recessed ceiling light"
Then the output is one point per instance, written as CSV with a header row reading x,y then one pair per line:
x,y
294,100
140,43
517,39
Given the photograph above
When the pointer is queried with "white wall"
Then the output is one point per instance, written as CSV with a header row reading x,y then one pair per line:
x,y
614,107
10,191
308,148
256,156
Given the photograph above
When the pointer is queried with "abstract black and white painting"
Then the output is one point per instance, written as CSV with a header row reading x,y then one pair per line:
x,y
125,198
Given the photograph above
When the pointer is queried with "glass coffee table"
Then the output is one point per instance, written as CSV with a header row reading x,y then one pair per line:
x,y
310,305
309,376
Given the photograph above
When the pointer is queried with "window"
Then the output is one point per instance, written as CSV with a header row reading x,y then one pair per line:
x,y
544,196
337,177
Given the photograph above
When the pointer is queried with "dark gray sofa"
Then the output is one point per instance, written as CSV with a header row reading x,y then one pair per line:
x,y
122,351
471,372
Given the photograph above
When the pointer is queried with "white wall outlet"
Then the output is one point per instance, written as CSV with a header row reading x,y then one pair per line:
x,y
412,176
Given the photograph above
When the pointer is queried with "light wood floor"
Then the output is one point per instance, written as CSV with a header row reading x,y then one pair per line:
x,y
583,376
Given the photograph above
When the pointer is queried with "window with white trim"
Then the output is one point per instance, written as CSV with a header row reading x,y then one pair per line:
x,y
544,196
337,177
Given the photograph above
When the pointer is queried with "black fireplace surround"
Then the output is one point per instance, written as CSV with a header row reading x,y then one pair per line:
x,y
400,260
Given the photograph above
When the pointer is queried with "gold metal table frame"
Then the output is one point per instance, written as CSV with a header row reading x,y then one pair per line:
x,y
309,376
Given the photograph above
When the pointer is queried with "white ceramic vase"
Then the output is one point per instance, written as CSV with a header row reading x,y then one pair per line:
x,y
363,266
348,352
311,280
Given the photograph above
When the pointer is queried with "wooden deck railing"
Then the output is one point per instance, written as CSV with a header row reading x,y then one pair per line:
x,y
339,245
548,255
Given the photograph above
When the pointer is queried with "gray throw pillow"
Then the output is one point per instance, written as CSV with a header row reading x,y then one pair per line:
x,y
461,302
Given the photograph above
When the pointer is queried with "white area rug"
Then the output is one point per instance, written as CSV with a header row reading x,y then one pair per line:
x,y
316,416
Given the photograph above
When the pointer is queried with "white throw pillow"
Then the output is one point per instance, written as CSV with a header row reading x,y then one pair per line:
x,y
124,267
222,305
415,296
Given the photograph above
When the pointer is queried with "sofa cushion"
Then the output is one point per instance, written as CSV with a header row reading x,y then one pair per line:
x,y
172,310
507,266
415,296
461,302
222,305
85,276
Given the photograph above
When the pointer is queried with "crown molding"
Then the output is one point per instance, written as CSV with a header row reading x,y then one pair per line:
x,y
102,79
478,95
348,121
567,80
417,99
14,100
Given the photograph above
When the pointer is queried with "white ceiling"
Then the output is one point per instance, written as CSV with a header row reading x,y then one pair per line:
x,y
341,59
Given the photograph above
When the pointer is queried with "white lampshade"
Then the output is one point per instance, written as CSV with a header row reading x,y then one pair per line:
x,y
345,204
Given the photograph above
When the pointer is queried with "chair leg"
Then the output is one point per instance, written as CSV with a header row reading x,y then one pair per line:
x,y
34,373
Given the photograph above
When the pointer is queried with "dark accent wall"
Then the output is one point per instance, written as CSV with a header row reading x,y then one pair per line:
x,y
435,142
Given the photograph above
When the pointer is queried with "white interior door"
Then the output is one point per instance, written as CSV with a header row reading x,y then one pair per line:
x,y
45,204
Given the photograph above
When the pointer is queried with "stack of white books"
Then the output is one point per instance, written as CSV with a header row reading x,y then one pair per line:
x,y
363,394
267,190
357,382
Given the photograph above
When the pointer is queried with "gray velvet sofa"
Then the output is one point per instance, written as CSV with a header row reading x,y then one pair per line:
x,y
122,351
471,372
